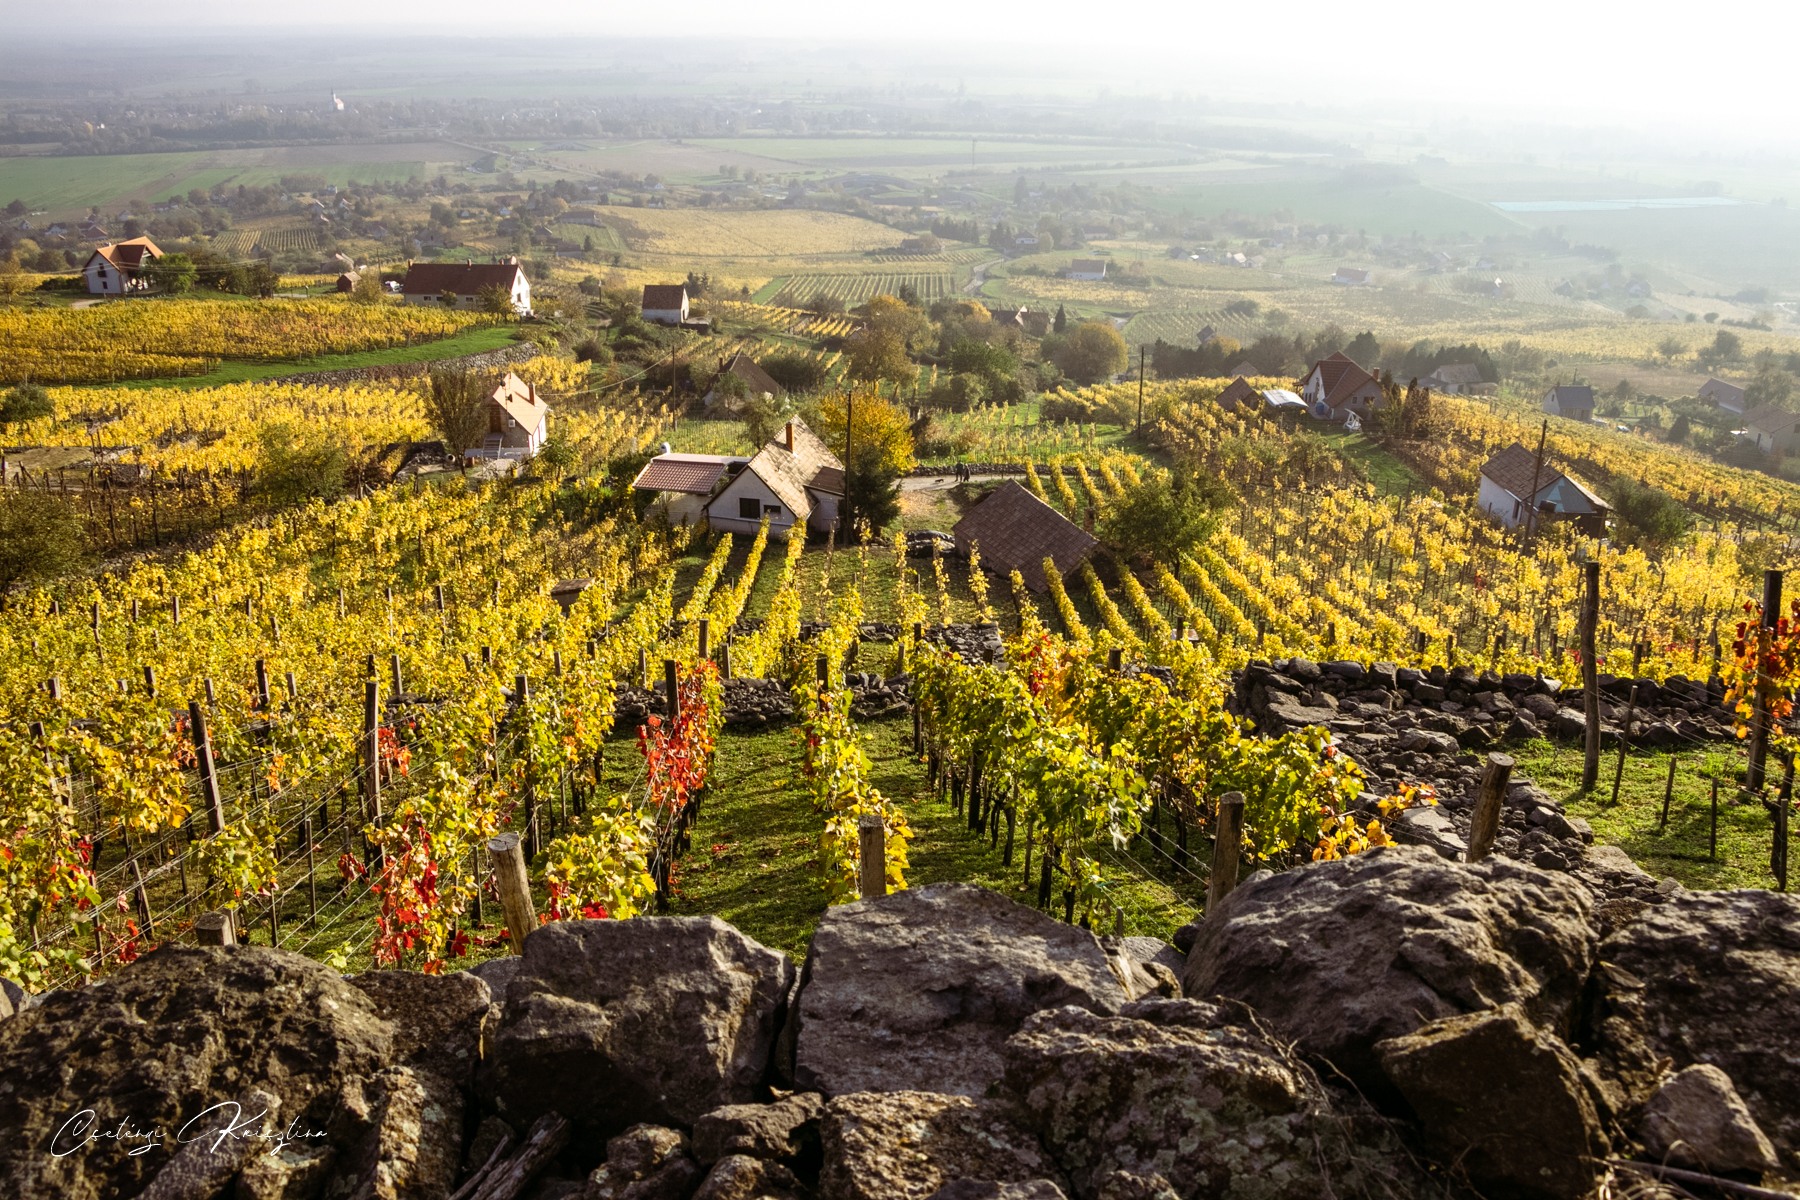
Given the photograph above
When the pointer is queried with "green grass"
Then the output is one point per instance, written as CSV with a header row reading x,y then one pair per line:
x,y
473,341
769,290
77,182
755,855
1388,473
1682,849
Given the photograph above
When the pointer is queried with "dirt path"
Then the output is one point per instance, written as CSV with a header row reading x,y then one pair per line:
x,y
978,276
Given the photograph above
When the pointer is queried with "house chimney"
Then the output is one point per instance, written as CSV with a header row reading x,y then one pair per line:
x,y
788,437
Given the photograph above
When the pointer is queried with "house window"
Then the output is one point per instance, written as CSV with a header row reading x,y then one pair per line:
x,y
771,510
749,508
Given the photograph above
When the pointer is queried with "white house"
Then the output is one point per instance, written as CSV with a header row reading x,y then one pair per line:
x,y
665,303
464,285
1091,270
1337,388
794,480
1459,379
518,420
1507,493
118,267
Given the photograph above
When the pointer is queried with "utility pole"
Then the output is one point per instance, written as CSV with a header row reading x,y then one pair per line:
x,y
1537,471
849,456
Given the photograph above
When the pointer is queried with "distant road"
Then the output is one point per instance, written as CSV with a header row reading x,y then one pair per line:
x,y
978,276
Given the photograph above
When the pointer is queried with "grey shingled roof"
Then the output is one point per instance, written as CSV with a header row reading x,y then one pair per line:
x,y
1016,532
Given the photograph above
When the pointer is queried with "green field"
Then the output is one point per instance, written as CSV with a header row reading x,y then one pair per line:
x,y
65,184
474,341
877,152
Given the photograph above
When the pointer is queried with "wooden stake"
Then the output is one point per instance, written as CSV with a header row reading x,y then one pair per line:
x,y
1624,737
1484,825
209,782
515,887
871,839
1590,673
1668,795
371,751
1755,772
1229,838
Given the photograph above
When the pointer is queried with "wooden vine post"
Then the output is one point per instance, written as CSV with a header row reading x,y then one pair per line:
x,y
209,782
1484,826
1226,850
1590,673
515,888
1755,774
871,839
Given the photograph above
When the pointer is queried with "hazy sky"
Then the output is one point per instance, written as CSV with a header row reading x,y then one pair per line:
x,y
1725,67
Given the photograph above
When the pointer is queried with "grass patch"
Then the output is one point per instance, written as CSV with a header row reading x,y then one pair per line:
x,y
1385,470
754,860
1683,848
472,341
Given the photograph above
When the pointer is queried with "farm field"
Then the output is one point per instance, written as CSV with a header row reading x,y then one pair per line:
x,y
798,290
883,152
63,185
699,233
156,337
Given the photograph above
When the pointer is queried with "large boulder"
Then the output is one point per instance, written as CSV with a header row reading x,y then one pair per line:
x,y
1501,1101
1714,978
613,1023
1340,955
1178,1091
1697,1120
919,990
165,1040
786,1129
906,1145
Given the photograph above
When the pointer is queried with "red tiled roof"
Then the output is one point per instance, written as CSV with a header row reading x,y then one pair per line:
x,y
457,279
694,474
129,255
1016,532
1341,378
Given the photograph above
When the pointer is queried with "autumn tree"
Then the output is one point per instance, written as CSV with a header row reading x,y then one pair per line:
x,y
1092,352
879,423
456,405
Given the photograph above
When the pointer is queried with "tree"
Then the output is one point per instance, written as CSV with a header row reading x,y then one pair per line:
x,y
877,354
293,468
871,492
260,279
993,363
1363,348
1272,354
17,208
558,456
1165,516
1061,323
1726,347
879,424
1648,517
26,402
762,416
456,405
367,289
41,539
1671,348
13,280
794,371
1771,387
174,273
496,299
1679,429
1092,352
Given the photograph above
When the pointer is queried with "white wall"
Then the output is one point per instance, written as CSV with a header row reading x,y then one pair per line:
x,y
1499,503
723,511
102,279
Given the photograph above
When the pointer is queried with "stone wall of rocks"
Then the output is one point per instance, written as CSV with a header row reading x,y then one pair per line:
x,y
1390,1025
